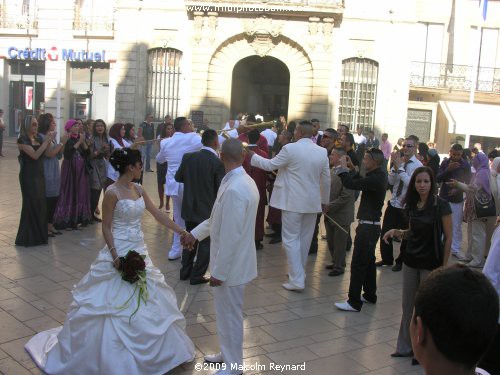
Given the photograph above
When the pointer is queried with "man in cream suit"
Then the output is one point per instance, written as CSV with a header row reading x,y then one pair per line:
x,y
172,150
233,259
301,191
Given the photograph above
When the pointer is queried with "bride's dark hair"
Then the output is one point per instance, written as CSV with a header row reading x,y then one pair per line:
x,y
121,158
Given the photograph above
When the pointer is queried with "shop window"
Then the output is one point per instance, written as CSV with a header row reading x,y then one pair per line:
x,y
358,92
162,95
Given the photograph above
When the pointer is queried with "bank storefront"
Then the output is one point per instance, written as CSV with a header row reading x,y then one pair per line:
x,y
78,81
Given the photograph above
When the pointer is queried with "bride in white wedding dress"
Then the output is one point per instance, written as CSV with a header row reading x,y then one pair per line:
x,y
97,336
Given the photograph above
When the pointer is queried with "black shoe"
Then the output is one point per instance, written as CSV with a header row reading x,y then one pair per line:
x,y
275,240
51,234
381,263
258,245
401,355
414,362
201,280
397,267
335,273
329,267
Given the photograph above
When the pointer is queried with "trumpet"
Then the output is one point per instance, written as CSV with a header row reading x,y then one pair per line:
x,y
260,125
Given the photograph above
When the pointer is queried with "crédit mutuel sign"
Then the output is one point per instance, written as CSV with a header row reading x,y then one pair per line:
x,y
54,54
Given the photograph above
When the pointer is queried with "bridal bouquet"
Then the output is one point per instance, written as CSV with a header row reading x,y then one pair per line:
x,y
133,270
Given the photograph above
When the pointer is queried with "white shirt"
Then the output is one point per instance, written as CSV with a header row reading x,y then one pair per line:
x,y
171,151
112,173
402,174
211,150
270,136
359,139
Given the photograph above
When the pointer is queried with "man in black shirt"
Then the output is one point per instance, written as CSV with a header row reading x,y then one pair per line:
x,y
373,187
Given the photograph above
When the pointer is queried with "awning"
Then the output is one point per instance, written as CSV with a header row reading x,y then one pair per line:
x,y
472,119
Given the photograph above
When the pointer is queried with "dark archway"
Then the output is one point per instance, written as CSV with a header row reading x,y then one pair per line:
x,y
260,85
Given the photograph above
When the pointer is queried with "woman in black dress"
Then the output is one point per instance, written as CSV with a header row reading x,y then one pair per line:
x,y
33,224
428,244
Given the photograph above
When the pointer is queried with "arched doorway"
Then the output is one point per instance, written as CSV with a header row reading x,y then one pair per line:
x,y
260,85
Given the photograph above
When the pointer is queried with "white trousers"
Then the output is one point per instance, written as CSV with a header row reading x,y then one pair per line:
x,y
296,233
229,320
457,212
176,249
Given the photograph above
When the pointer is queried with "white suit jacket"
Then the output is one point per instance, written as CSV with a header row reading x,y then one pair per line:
x,y
303,181
172,150
231,227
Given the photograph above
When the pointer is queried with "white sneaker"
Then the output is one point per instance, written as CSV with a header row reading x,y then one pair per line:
x,y
364,300
214,358
291,287
344,306
173,255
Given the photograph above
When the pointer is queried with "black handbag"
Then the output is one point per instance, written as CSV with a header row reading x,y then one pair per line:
x,y
484,204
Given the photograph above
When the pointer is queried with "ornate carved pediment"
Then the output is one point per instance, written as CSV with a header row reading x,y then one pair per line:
x,y
263,25
263,34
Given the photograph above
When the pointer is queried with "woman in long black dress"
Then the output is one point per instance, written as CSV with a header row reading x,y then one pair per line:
x,y
33,224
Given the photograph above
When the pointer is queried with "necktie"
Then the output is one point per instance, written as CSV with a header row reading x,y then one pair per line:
x,y
401,184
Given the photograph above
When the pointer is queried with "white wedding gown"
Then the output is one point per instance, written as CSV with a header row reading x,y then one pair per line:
x,y
97,337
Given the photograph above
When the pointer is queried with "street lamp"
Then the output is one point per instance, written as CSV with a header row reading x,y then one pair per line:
x,y
90,92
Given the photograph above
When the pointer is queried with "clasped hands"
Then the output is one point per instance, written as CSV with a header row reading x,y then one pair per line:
x,y
187,240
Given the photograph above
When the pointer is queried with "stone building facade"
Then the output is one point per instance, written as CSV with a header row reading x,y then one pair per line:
x,y
349,61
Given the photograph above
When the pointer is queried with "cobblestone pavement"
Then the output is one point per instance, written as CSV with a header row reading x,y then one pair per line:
x,y
281,327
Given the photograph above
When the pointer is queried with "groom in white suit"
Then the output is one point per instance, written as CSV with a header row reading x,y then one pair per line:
x,y
233,260
301,191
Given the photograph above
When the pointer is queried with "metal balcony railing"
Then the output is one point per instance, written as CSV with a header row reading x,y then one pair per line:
x,y
17,21
93,23
454,77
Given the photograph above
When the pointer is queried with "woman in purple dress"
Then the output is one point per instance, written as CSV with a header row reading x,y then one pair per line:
x,y
73,207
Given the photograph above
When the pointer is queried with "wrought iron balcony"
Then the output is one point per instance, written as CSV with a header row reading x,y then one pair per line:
x,y
454,77
278,6
17,21
94,23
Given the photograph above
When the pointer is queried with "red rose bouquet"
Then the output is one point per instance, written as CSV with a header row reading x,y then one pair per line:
x,y
133,270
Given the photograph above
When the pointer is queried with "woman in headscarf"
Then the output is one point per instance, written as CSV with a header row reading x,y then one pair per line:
x,y
479,186
73,206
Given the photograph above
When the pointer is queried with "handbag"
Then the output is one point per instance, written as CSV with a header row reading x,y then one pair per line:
x,y
484,204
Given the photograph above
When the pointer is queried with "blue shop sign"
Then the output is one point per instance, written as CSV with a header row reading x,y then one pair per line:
x,y
53,54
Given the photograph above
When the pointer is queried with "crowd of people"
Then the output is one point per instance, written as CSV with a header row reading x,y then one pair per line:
x,y
220,184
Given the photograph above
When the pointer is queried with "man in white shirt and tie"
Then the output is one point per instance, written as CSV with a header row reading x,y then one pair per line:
x,y
301,191
233,259
172,150
403,165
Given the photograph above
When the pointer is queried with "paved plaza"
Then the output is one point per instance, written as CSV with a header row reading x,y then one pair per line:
x,y
281,327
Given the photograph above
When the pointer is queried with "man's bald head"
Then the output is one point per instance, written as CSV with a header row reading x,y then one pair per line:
x,y
305,130
232,151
